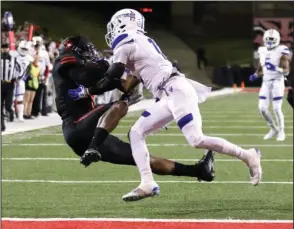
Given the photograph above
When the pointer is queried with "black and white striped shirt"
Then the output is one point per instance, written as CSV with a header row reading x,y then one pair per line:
x,y
10,68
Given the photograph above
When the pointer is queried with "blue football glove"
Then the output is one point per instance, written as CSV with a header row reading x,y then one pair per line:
x,y
78,93
253,77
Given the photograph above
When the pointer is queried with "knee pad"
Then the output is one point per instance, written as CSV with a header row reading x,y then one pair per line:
x,y
194,139
277,106
135,129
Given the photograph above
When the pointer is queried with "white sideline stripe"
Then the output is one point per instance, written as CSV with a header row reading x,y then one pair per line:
x,y
150,220
172,159
55,120
174,134
162,145
137,181
215,127
208,120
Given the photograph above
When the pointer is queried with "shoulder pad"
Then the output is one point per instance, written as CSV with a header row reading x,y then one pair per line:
x,y
261,49
284,50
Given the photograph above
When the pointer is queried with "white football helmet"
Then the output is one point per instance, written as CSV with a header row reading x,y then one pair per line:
x,y
37,39
124,21
271,38
23,48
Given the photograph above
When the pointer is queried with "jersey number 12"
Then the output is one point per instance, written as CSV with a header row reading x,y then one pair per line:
x,y
156,47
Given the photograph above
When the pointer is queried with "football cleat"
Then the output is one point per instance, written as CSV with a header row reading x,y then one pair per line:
x,y
253,162
142,193
206,167
270,134
281,136
91,155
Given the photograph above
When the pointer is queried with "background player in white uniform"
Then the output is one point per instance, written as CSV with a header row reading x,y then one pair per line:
x,y
273,66
179,98
24,59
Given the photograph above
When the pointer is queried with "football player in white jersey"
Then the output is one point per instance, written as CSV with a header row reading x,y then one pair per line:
x,y
273,66
179,98
24,59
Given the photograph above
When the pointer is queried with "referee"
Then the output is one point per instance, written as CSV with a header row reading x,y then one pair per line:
x,y
10,72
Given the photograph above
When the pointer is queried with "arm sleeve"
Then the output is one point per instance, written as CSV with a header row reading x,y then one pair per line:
x,y
110,81
285,50
122,54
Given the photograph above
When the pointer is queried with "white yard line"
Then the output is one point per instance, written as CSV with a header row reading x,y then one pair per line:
x,y
216,127
152,145
173,134
254,221
137,181
211,120
173,159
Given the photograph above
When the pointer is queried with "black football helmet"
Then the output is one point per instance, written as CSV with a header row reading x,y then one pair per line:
x,y
81,46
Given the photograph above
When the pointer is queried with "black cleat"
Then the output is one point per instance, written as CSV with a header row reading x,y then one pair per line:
x,y
206,167
91,155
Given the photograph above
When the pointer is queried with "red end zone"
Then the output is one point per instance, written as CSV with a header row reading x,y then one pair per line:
x,y
143,224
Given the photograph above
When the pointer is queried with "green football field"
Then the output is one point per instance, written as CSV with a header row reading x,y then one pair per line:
x,y
43,178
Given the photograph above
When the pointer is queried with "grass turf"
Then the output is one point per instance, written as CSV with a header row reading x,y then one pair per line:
x,y
178,199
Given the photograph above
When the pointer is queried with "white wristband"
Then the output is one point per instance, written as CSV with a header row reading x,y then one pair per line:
x,y
280,70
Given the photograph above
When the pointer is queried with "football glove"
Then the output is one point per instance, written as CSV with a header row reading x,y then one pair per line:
x,y
78,93
253,77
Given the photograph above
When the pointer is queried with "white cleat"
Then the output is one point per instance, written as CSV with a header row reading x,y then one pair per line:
x,y
281,136
253,162
142,192
270,134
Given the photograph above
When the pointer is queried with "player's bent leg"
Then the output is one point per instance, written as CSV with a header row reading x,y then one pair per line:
x,y
251,157
78,134
107,123
116,151
263,105
188,118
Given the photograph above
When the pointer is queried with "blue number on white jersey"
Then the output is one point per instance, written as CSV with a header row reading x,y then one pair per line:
x,y
156,47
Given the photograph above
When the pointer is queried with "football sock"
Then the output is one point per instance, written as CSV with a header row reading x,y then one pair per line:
x,y
185,170
20,108
100,135
268,118
141,156
277,105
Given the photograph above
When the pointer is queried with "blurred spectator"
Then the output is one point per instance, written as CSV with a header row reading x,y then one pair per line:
x,y
40,101
201,58
32,84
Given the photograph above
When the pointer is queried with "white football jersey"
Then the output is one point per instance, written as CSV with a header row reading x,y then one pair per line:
x,y
24,61
44,61
273,57
143,58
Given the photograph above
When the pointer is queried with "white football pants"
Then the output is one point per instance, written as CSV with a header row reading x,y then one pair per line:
x,y
272,90
180,105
